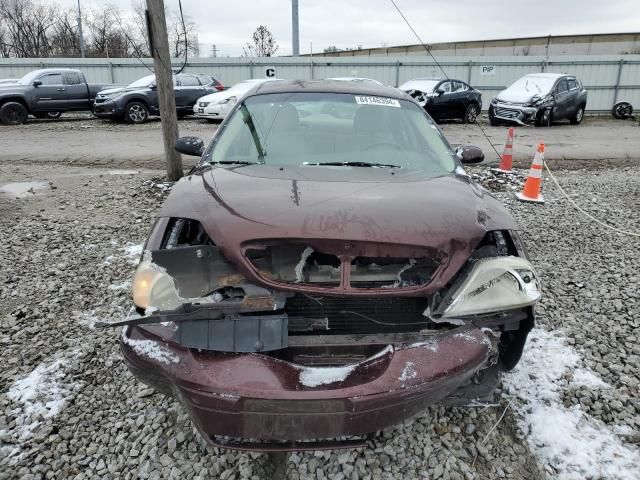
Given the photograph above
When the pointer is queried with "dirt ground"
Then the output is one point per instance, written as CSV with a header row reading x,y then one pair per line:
x,y
70,240
84,140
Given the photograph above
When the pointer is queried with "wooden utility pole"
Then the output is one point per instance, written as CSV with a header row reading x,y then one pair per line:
x,y
159,43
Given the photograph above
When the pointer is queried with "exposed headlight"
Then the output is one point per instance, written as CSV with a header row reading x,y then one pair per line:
x,y
154,287
203,104
228,100
494,101
495,284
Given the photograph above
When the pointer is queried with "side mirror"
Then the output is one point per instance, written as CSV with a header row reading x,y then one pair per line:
x,y
193,146
469,154
37,83
440,91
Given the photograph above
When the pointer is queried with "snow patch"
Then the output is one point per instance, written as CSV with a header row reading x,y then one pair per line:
x,y
315,376
408,372
586,378
150,349
568,440
88,319
41,395
121,286
133,252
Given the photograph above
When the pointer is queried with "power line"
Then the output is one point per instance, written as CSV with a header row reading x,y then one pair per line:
x,y
440,67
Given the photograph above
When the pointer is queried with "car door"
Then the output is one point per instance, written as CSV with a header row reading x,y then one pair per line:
x,y
459,98
562,98
188,91
50,93
573,99
76,94
439,105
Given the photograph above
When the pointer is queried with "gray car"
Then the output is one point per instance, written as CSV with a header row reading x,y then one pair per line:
x,y
540,99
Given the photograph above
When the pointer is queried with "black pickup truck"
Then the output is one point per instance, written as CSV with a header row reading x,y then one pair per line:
x,y
46,93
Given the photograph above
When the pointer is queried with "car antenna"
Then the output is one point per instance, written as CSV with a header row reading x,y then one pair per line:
x,y
442,69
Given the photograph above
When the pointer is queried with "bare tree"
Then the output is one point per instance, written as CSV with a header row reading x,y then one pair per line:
x,y
263,44
27,27
107,37
183,37
65,39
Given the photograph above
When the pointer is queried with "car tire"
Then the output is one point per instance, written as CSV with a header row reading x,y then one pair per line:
x,y
136,112
13,113
578,116
622,110
471,115
544,118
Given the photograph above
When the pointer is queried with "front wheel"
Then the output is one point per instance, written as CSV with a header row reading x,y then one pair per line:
x,y
52,115
577,117
13,113
471,115
544,118
136,112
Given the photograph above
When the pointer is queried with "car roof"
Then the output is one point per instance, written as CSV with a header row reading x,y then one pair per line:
x,y
329,86
551,76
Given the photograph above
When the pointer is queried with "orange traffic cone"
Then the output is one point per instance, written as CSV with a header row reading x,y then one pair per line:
x,y
533,184
506,160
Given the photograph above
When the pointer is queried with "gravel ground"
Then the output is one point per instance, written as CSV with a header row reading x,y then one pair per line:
x,y
70,409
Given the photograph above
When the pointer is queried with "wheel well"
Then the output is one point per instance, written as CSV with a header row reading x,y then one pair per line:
x,y
139,100
17,100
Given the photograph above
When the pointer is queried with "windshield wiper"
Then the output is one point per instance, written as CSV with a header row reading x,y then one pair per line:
x,y
234,162
353,164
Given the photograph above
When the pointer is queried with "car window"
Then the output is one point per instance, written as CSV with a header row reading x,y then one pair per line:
x,y
572,83
51,79
306,129
562,86
204,79
189,81
446,86
72,78
459,86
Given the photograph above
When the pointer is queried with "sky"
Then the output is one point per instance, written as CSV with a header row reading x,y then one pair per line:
x,y
376,23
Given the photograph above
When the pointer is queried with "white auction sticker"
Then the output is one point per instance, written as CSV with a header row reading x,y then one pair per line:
x,y
385,102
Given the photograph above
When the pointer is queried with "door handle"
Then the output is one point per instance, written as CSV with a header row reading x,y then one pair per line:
x,y
61,89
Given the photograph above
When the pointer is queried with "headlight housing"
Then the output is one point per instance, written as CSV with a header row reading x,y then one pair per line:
x,y
203,104
494,285
494,101
154,288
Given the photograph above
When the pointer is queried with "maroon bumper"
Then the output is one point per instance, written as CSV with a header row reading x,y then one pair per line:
x,y
259,397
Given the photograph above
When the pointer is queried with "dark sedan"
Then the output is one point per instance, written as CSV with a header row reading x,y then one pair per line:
x,y
289,291
445,99
136,102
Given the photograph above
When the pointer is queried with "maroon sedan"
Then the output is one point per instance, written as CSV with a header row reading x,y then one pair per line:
x,y
325,271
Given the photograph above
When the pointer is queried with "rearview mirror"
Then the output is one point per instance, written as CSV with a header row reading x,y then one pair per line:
x,y
193,146
37,83
469,154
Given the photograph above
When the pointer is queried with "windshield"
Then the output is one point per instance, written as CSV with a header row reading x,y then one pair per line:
x,y
147,81
29,77
424,85
315,129
533,85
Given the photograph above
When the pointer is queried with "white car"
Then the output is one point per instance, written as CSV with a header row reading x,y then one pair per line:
x,y
216,106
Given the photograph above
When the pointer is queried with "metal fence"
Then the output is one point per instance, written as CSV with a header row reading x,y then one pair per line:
x,y
609,78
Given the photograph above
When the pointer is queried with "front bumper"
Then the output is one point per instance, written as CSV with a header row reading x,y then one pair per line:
x,y
513,113
212,112
255,396
108,109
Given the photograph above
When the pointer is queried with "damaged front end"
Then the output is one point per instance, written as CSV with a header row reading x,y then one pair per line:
x,y
521,113
302,339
